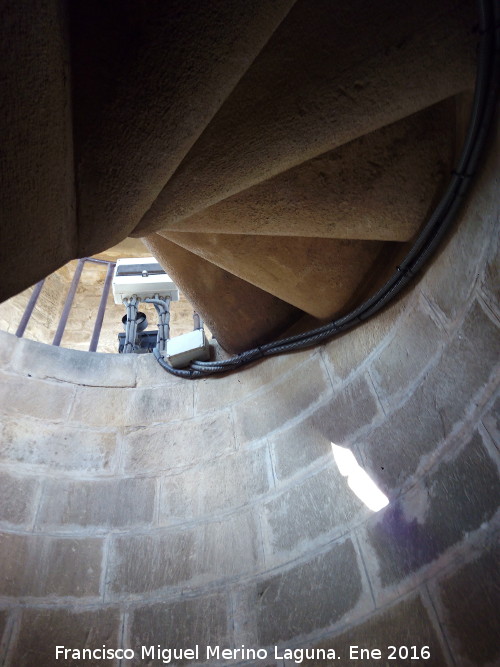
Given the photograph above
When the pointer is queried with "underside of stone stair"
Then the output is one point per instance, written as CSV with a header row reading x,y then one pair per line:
x,y
277,158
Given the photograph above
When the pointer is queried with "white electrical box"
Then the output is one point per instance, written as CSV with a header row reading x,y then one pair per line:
x,y
142,276
192,346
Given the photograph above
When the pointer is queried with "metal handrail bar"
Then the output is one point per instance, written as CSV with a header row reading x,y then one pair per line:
x,y
102,308
67,304
29,309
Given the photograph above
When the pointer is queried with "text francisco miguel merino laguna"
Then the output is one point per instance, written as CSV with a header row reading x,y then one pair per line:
x,y
168,655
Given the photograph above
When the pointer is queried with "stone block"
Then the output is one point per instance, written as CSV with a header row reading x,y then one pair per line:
x,y
115,503
310,596
269,409
394,450
417,341
145,563
450,280
471,601
4,617
452,501
149,372
44,629
102,406
299,446
406,624
465,366
34,398
225,483
180,625
209,551
17,496
8,344
56,446
215,393
320,507
337,421
178,445
227,548
39,566
491,421
74,366
491,277
352,408
346,353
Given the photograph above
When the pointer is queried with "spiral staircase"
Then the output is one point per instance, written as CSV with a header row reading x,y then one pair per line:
x,y
278,157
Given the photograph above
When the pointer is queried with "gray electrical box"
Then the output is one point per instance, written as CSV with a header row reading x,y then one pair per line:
x,y
192,346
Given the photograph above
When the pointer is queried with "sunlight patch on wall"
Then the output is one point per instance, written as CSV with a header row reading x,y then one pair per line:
x,y
358,479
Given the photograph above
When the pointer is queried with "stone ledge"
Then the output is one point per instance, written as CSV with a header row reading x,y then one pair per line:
x,y
74,366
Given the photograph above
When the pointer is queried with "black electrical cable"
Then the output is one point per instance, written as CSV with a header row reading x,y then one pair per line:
x,y
162,307
483,108
131,324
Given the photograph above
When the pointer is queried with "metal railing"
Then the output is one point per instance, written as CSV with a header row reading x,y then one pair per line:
x,y
69,302
61,326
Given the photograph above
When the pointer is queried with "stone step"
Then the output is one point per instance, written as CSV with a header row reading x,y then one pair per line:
x,y
239,314
353,71
319,276
146,81
377,187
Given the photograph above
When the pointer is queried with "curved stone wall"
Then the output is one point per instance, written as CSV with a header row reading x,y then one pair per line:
x,y
141,510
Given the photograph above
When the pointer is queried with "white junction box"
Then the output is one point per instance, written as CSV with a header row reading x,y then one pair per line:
x,y
142,276
192,346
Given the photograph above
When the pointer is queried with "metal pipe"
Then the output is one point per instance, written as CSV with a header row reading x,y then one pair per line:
x,y
97,261
67,304
29,308
102,308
